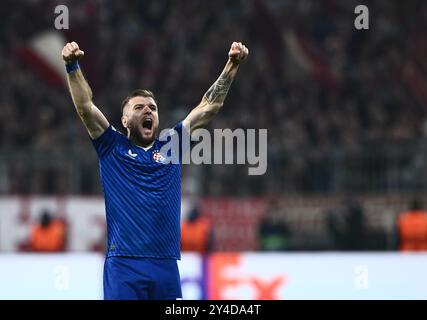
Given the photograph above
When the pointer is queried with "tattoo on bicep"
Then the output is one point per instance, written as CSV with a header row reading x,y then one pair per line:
x,y
219,88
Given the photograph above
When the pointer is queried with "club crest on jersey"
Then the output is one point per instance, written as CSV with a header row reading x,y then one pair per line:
x,y
157,157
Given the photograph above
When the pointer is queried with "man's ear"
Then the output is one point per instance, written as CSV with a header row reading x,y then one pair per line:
x,y
125,121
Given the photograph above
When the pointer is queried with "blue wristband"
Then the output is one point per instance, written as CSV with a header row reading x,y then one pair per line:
x,y
72,67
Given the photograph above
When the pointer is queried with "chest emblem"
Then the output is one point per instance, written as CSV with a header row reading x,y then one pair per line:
x,y
157,157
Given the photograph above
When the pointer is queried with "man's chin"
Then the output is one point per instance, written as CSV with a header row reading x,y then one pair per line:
x,y
148,135
143,139
147,139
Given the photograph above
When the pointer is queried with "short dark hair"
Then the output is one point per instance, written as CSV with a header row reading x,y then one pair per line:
x,y
137,93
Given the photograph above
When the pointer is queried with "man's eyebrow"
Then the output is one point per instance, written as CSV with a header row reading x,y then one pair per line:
x,y
142,104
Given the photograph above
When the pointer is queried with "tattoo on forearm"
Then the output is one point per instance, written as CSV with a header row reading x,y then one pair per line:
x,y
220,88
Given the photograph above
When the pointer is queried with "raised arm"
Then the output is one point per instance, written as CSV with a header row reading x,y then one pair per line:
x,y
93,119
214,98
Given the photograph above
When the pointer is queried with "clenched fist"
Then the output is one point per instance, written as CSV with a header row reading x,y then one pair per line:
x,y
71,52
238,52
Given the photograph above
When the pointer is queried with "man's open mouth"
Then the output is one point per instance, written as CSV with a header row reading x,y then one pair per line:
x,y
147,123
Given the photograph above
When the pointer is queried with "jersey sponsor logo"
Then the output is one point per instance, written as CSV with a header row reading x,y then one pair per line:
x,y
131,154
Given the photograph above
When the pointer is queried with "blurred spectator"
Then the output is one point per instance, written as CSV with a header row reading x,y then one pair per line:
x,y
273,232
412,228
48,235
348,228
196,233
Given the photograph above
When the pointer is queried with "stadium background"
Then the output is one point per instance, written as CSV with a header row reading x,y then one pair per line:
x,y
345,111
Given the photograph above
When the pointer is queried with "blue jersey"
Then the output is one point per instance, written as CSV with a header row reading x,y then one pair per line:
x,y
142,197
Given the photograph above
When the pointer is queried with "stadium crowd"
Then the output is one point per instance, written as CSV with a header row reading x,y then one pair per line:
x,y
324,90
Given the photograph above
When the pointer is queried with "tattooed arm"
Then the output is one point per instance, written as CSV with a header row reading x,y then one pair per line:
x,y
214,98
